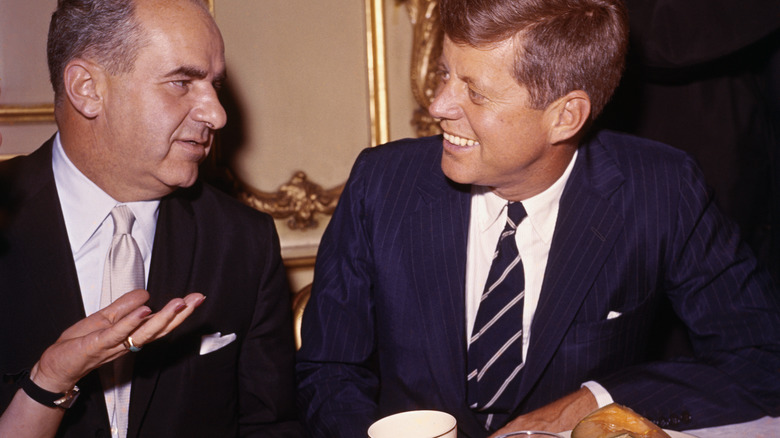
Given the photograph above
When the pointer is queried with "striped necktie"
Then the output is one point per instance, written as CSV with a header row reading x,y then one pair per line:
x,y
495,355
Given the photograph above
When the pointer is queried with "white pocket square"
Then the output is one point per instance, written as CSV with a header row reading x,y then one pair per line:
x,y
213,342
613,314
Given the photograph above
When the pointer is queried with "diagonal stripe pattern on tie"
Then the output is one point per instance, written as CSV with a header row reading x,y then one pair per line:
x,y
495,356
123,272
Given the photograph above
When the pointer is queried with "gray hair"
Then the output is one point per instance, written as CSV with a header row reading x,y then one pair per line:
x,y
106,31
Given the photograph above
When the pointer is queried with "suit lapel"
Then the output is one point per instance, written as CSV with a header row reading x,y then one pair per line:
x,y
173,252
169,274
437,262
585,233
44,244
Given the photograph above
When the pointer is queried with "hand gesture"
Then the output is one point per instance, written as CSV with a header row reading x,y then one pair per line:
x,y
100,337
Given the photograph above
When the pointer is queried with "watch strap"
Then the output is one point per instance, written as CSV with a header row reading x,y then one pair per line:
x,y
48,398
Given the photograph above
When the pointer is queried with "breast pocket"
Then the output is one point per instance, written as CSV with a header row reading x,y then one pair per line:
x,y
622,339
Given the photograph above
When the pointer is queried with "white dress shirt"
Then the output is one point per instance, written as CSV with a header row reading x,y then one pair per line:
x,y
533,237
86,209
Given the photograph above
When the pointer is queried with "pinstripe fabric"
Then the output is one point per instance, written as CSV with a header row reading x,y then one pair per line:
x,y
637,233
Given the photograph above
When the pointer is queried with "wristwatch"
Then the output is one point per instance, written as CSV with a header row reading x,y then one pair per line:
x,y
46,398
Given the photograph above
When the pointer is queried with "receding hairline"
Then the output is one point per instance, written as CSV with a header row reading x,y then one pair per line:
x,y
142,12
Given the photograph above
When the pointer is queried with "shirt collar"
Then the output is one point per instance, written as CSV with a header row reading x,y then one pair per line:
x,y
542,208
85,205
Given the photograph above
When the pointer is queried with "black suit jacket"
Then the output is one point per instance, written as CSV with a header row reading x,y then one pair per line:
x,y
384,330
205,242
704,76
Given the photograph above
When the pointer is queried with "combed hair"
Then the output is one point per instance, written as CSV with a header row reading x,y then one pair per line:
x,y
562,45
105,31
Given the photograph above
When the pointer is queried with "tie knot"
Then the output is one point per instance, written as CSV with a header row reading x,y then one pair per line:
x,y
123,219
515,212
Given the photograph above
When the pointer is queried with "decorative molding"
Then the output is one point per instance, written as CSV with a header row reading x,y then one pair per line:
x,y
426,48
298,199
299,262
27,113
377,71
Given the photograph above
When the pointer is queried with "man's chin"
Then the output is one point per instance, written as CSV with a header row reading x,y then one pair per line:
x,y
456,171
181,179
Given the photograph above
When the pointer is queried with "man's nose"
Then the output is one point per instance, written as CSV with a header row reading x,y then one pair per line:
x,y
444,104
210,111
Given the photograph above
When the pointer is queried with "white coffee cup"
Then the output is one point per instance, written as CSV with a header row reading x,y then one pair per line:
x,y
415,424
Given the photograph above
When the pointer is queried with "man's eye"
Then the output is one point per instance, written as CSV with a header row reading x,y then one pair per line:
x,y
181,83
442,74
475,96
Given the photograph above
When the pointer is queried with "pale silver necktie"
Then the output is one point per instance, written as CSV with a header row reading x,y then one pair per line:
x,y
123,272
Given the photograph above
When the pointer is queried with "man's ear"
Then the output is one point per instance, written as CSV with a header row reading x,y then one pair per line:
x,y
84,85
568,115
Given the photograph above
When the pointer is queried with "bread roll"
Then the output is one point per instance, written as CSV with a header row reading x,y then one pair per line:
x,y
616,421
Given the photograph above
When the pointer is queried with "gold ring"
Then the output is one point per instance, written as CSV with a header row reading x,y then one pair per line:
x,y
128,343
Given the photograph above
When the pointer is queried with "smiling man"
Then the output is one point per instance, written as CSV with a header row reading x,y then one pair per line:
x,y
113,203
513,271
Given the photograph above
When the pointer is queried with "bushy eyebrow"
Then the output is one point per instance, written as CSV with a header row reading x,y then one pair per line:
x,y
196,73
473,83
191,72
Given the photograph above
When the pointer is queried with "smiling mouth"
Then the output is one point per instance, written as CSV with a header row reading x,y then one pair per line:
x,y
460,141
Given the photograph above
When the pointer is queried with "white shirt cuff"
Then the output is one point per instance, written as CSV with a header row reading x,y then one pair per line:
x,y
602,396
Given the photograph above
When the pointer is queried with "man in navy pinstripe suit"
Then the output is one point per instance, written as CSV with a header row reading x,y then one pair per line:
x,y
617,229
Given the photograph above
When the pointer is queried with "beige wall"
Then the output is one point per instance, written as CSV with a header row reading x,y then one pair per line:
x,y
299,69
297,93
23,74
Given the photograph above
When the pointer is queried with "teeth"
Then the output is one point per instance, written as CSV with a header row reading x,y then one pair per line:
x,y
460,141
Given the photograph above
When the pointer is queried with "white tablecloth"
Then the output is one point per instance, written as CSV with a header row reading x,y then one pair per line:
x,y
767,427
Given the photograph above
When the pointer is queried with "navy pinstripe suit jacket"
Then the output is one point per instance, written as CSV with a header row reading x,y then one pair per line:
x,y
637,230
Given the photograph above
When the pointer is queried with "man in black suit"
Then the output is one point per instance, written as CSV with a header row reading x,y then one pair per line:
x,y
702,76
616,228
136,106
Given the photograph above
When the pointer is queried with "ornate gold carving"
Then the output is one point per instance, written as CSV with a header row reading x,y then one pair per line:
x,y
299,199
426,49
